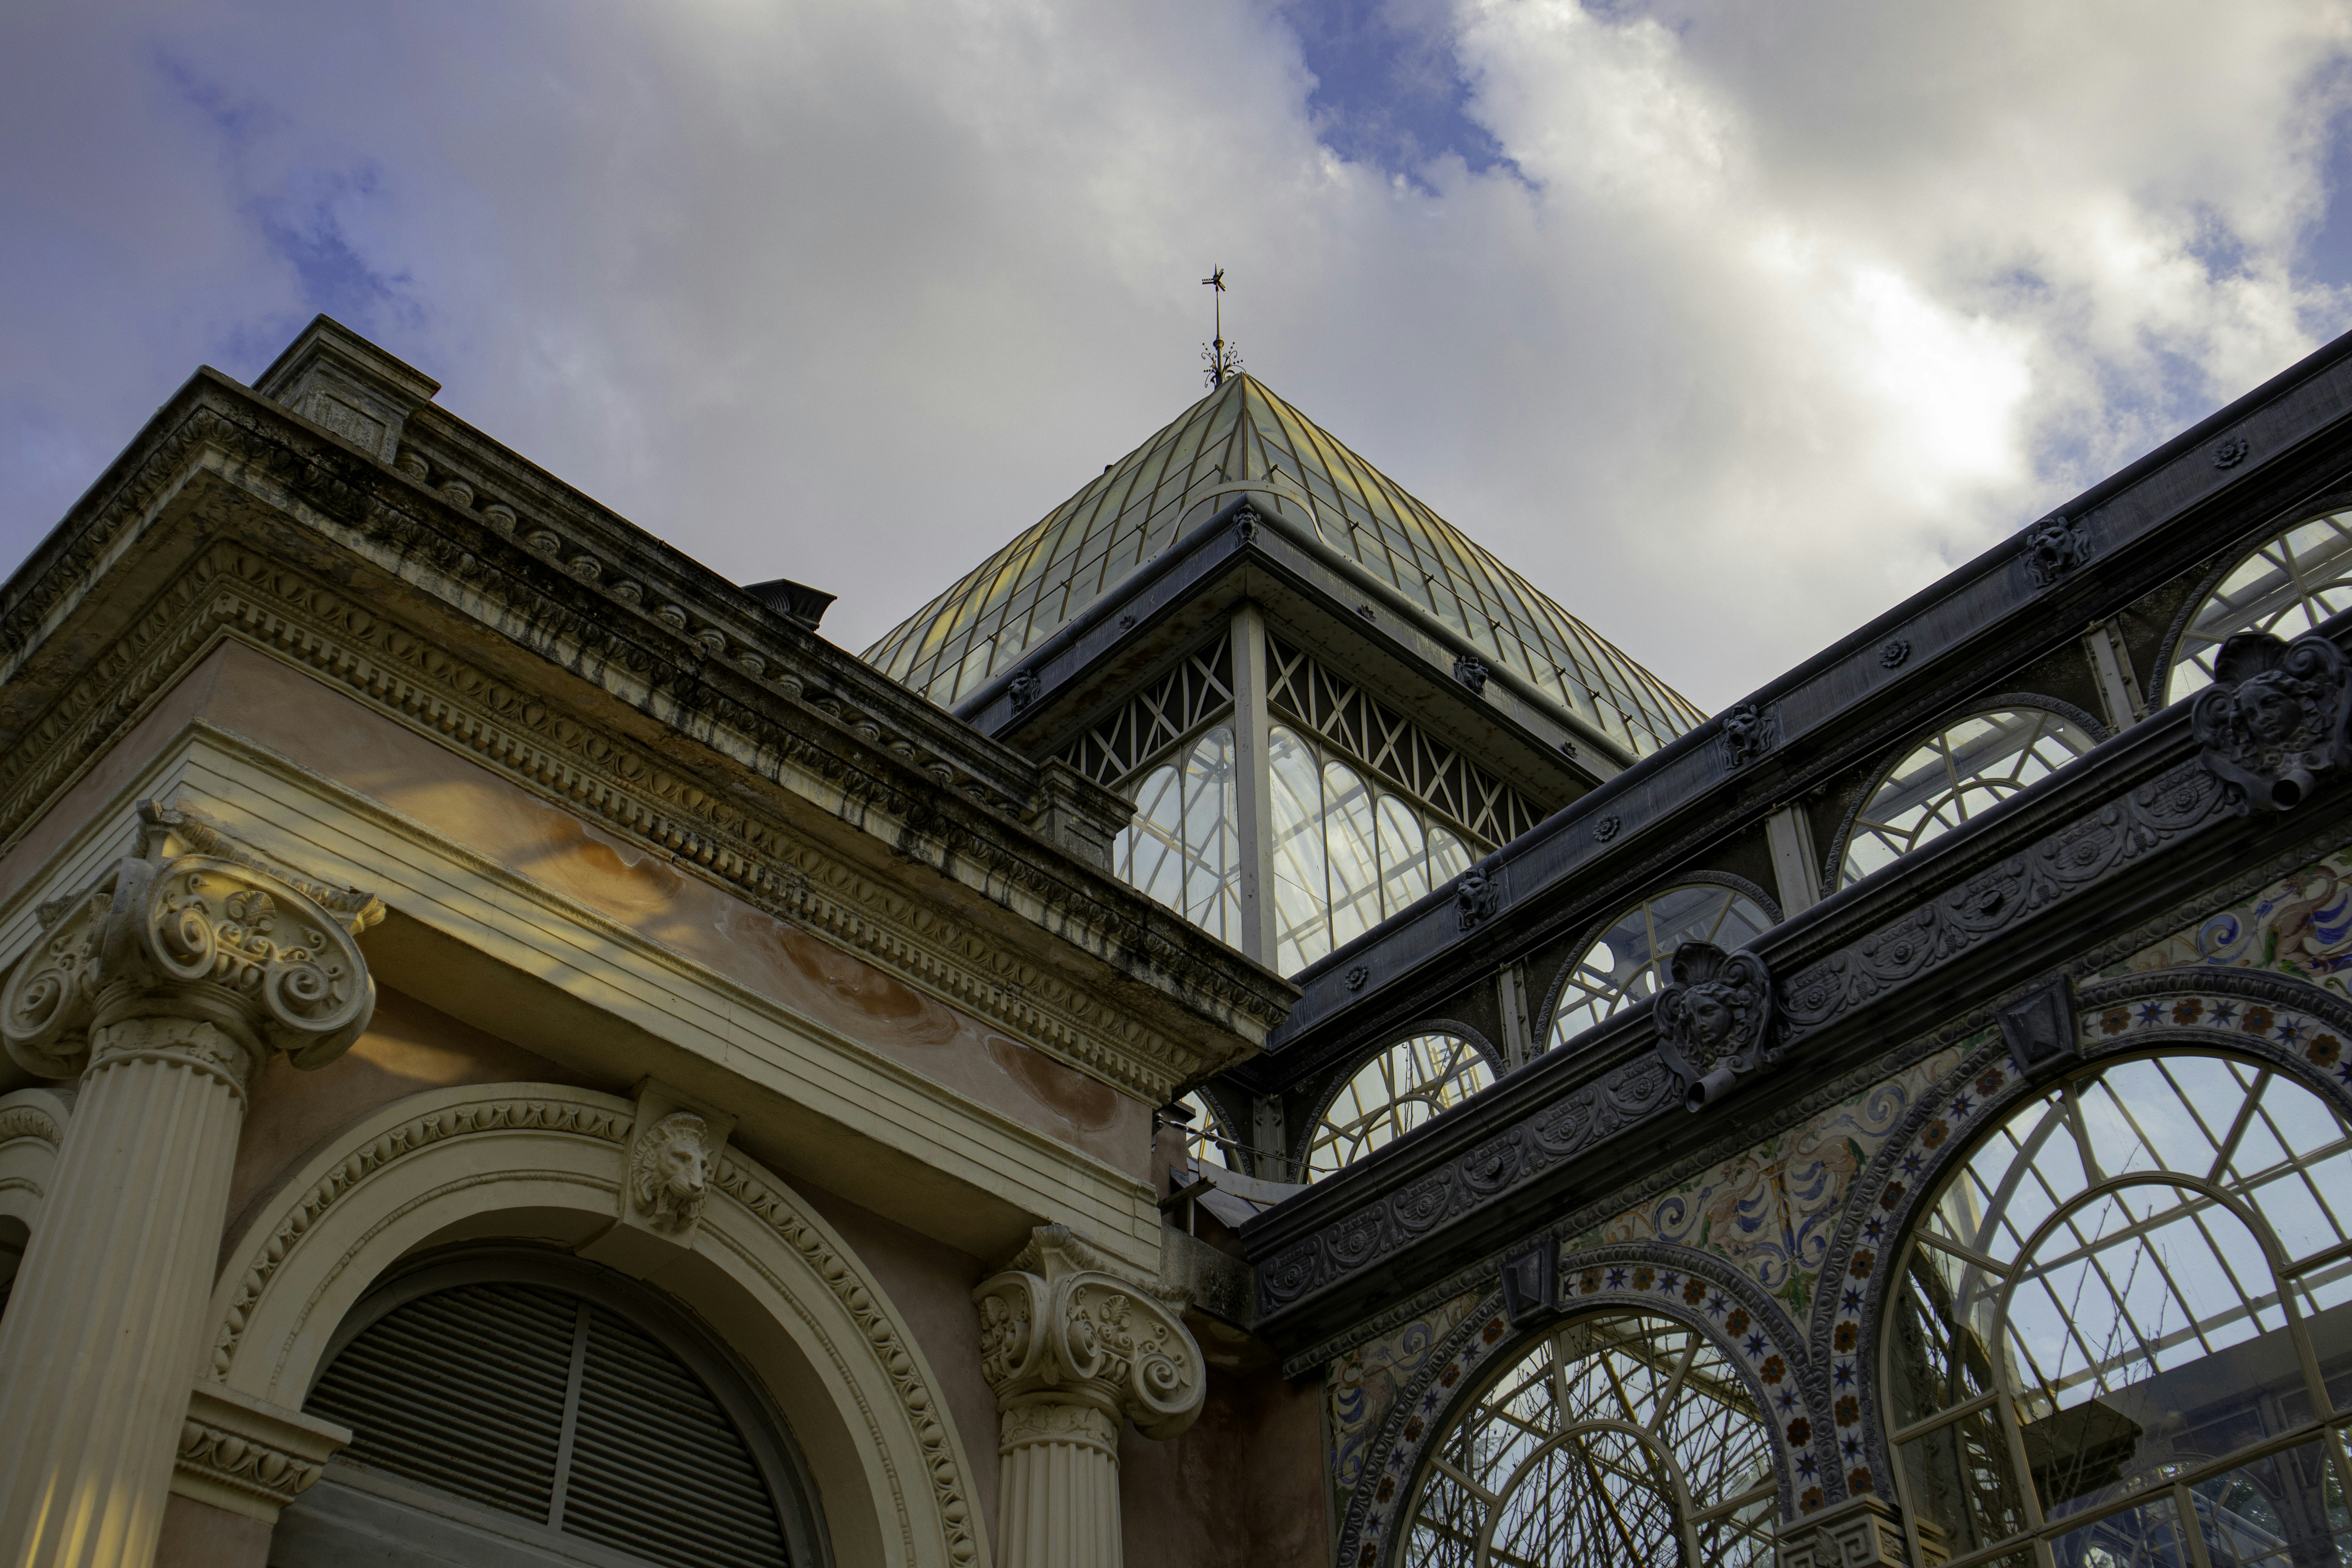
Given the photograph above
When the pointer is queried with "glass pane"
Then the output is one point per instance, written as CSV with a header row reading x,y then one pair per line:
x,y
1402,1088
1156,861
2286,588
1629,960
1213,844
1971,766
1587,1444
1302,927
2149,1536
1448,857
1404,857
1959,1477
2282,1510
1350,853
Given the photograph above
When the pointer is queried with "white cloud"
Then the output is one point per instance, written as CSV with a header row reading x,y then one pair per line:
x,y
1785,310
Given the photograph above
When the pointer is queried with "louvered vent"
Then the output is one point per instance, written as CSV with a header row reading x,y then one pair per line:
x,y
536,1403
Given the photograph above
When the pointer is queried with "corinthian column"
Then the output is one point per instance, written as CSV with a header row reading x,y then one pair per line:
x,y
1071,1350
165,986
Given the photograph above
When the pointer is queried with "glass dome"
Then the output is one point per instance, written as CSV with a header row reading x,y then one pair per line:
x,y
979,628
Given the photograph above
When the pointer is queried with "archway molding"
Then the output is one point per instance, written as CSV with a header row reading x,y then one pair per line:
x,y
2287,1026
1661,1279
544,1162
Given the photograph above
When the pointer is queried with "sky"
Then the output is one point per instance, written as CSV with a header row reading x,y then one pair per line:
x,y
1727,324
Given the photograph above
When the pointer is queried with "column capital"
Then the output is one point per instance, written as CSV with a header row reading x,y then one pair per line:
x,y
1059,1329
241,958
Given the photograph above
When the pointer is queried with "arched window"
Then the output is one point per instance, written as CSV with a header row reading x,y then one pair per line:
x,y
2286,588
1957,773
1208,1141
1624,1439
1402,1088
2125,1330
1183,846
1346,855
1629,960
511,1407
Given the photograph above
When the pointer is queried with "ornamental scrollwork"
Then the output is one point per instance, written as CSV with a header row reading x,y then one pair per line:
x,y
1715,1019
200,937
1056,1329
2274,718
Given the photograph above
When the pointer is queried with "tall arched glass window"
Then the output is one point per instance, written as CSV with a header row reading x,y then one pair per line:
x,y
1959,771
1628,963
1402,1088
2286,588
1346,855
2124,1333
1184,847
511,1407
1626,1439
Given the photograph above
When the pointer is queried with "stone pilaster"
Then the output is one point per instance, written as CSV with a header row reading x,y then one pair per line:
x,y
165,987
1072,1351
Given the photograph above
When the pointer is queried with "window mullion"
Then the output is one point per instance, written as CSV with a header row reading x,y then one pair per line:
x,y
571,1418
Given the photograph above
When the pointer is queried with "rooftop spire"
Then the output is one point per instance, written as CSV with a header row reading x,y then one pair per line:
x,y
1223,358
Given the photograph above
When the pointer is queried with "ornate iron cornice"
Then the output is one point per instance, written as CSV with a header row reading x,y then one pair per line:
x,y
1840,971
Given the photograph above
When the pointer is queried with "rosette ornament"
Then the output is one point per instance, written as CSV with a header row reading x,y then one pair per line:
x,y
199,937
1070,1349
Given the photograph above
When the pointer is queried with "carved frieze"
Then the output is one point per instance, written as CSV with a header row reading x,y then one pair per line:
x,y
239,1454
1715,1019
2274,718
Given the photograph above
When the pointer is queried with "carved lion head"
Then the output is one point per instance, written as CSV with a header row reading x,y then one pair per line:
x,y
669,1172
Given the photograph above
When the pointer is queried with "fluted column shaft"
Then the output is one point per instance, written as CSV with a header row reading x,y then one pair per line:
x,y
165,987
105,1328
1072,1351
1059,1495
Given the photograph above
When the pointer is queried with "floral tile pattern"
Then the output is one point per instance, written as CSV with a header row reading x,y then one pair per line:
x,y
1364,1383
1770,1210
2300,925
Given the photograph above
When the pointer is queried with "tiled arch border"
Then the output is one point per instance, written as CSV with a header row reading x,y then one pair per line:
x,y
2288,1024
1656,1277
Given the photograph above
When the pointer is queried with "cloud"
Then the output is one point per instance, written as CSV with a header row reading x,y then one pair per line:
x,y
1727,325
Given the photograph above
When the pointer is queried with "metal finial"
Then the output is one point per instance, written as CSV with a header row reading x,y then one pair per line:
x,y
1223,358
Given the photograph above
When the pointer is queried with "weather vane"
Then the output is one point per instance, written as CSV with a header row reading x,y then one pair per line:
x,y
1223,358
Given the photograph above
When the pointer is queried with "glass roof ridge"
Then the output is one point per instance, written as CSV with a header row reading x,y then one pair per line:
x,y
1244,432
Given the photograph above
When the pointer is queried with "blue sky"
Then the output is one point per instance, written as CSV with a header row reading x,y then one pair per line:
x,y
1763,315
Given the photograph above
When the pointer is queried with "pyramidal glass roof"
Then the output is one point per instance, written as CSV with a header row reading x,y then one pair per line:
x,y
1019,597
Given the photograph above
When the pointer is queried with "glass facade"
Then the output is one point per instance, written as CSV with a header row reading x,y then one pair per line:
x,y
2286,588
1629,962
1620,1439
1346,855
1958,773
1184,845
1397,1089
2124,1334
980,626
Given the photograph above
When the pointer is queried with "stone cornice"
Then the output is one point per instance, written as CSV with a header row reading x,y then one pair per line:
x,y
122,602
